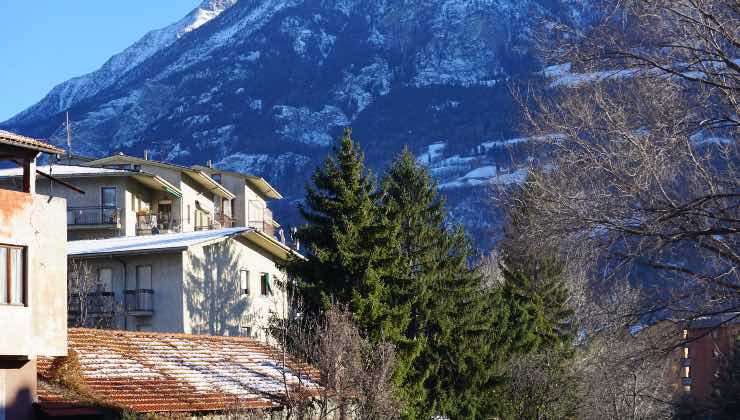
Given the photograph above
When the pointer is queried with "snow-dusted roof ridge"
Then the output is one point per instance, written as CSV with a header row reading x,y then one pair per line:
x,y
57,170
149,243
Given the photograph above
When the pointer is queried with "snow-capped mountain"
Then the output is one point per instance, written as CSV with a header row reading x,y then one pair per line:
x,y
72,92
265,86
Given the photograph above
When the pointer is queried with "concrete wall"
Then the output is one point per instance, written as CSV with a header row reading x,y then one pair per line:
x,y
166,283
37,223
214,303
17,389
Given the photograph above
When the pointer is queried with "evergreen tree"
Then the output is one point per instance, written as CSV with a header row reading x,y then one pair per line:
x,y
443,354
345,240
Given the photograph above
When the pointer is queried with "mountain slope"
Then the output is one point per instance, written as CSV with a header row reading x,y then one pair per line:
x,y
267,85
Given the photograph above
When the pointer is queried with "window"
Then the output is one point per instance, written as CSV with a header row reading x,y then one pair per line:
x,y
216,177
12,275
245,331
244,282
144,277
105,280
108,196
188,213
265,284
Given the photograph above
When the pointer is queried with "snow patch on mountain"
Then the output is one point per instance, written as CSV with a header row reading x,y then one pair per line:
x,y
269,166
303,125
357,91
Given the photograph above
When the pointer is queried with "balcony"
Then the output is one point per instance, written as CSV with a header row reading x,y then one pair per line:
x,y
140,302
260,218
93,217
223,221
150,224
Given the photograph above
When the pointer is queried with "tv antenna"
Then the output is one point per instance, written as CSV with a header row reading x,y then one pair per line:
x,y
69,139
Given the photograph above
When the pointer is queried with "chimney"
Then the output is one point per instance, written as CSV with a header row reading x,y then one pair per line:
x,y
209,163
146,154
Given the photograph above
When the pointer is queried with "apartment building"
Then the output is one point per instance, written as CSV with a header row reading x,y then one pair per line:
x,y
249,207
218,282
112,202
204,203
33,274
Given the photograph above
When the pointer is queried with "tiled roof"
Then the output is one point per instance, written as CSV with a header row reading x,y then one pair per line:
x,y
27,142
158,372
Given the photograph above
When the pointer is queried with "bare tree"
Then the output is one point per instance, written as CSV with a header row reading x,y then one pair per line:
x,y
643,181
87,305
355,376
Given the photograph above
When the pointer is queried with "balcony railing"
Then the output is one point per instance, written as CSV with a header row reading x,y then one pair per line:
x,y
96,303
140,300
147,224
260,218
93,215
224,220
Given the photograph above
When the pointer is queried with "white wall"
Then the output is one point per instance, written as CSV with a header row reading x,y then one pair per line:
x,y
213,300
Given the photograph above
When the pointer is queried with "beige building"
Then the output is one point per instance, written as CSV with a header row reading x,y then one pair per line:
x,y
217,282
204,203
115,202
33,271
249,207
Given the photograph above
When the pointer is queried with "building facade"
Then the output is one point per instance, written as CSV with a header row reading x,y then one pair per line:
x,y
219,282
33,272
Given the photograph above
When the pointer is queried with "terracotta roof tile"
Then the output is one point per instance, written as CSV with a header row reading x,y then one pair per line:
x,y
156,372
22,141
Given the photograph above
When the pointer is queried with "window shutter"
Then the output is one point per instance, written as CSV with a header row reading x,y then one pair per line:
x,y
3,275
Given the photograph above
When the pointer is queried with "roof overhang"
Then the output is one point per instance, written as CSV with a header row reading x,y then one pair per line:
x,y
156,182
27,143
272,245
257,183
205,180
197,175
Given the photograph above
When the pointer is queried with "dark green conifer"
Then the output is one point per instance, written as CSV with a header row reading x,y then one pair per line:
x,y
344,239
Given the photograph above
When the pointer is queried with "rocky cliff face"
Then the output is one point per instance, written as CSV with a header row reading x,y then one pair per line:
x,y
265,86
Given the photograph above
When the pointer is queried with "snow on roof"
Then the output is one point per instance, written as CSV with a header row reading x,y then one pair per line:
x,y
67,170
164,372
139,244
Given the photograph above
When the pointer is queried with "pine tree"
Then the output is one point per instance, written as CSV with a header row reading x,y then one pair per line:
x,y
443,354
345,240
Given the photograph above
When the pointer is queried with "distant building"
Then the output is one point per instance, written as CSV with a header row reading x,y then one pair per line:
x,y
33,271
218,282
709,343
171,374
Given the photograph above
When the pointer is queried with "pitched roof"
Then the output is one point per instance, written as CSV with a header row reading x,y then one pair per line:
x,y
149,243
73,171
159,372
6,137
256,182
199,176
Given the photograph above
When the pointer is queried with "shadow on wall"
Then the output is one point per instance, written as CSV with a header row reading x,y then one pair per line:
x,y
212,293
15,391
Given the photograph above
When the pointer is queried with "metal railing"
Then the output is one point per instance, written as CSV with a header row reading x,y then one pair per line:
x,y
260,217
149,224
139,300
93,215
224,220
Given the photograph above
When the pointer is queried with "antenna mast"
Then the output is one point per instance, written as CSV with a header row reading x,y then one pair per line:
x,y
69,139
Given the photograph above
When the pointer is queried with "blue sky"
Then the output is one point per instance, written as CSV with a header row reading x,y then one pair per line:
x,y
45,42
